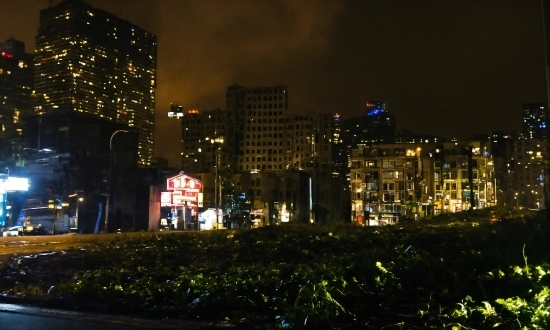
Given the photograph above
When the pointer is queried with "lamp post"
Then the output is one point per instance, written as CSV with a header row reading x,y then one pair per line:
x,y
78,200
495,192
8,171
110,177
217,142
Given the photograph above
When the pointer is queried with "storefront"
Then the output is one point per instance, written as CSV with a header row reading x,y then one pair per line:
x,y
184,197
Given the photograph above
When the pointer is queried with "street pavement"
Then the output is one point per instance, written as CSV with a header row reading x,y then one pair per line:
x,y
18,317
21,317
34,244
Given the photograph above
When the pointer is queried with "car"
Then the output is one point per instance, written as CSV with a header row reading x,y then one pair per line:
x,y
36,231
13,231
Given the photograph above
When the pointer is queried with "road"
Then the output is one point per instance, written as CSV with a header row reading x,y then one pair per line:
x,y
17,317
36,244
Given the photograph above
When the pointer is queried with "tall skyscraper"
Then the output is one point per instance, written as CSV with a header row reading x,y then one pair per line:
x,y
377,126
15,86
535,120
202,134
90,61
257,125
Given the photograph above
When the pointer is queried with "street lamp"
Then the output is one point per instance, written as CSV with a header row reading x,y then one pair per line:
x,y
110,177
218,142
8,171
78,200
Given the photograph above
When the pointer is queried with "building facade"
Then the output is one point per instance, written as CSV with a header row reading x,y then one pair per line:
x,y
98,163
526,172
464,176
204,141
535,121
376,126
16,84
90,61
257,122
258,141
394,181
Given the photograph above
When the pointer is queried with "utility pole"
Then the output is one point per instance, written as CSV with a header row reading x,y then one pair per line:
x,y
471,178
217,142
109,192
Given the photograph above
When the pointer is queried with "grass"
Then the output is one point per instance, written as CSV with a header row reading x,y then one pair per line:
x,y
455,271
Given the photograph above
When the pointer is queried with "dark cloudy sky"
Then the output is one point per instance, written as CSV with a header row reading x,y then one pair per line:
x,y
450,68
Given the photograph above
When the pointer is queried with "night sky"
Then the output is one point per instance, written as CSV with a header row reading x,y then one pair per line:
x,y
449,68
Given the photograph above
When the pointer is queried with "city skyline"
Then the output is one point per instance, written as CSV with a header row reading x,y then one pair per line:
x,y
445,69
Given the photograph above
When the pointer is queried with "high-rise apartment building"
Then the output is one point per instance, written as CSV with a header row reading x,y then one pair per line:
x,y
257,136
526,169
257,125
310,139
376,126
392,181
203,144
535,121
16,81
91,61
257,132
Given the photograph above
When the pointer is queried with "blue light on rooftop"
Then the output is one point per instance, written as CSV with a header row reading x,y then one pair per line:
x,y
374,112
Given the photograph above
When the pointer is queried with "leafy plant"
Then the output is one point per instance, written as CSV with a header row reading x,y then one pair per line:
x,y
448,272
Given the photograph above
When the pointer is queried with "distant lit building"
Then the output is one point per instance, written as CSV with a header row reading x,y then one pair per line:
x,y
535,121
526,173
203,144
176,111
311,145
309,140
258,120
376,126
392,181
384,178
407,136
339,154
256,139
454,189
340,187
527,159
501,145
90,61
16,82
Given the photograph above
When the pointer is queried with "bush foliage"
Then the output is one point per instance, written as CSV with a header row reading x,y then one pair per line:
x,y
448,272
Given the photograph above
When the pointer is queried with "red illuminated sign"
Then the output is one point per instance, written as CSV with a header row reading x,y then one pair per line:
x,y
184,182
165,198
185,188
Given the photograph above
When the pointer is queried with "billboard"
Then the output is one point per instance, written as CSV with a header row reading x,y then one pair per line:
x,y
182,182
184,188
